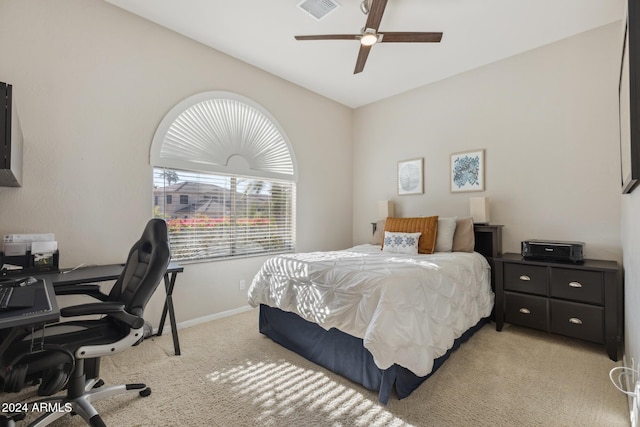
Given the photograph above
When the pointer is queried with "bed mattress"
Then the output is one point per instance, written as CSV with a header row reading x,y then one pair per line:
x,y
407,309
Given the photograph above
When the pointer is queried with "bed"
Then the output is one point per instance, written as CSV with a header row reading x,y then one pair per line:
x,y
383,319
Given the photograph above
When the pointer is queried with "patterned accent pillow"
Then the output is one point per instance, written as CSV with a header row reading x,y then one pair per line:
x,y
428,226
401,243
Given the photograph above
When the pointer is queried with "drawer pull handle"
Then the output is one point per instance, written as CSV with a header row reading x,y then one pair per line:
x,y
575,321
575,284
525,277
525,311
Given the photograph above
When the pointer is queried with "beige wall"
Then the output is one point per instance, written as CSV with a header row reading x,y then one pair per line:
x,y
548,122
631,262
92,83
631,248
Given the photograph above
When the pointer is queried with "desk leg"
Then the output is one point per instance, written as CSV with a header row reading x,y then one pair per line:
x,y
169,283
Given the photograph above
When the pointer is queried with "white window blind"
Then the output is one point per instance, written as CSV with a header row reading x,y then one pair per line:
x,y
226,215
224,179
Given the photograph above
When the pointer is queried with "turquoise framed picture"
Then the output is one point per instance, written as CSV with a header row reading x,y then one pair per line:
x,y
467,171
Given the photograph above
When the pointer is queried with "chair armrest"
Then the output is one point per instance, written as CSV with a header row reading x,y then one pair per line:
x,y
130,320
113,309
90,289
92,308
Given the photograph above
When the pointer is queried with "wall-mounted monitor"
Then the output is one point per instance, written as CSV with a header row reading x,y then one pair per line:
x,y
10,139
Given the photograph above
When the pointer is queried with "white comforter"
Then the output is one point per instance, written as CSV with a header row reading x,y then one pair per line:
x,y
408,309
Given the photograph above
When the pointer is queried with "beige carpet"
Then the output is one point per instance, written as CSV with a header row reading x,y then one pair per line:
x,y
230,375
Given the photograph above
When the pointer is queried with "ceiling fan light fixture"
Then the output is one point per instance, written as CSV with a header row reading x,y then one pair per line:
x,y
369,37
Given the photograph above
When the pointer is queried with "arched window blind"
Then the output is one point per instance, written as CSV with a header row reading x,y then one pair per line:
x,y
224,179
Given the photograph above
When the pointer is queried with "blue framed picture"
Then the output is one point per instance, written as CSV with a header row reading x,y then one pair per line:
x,y
467,171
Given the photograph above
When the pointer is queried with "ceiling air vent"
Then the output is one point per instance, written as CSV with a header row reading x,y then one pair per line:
x,y
318,8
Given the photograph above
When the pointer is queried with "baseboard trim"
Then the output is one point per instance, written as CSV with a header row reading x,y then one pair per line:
x,y
204,319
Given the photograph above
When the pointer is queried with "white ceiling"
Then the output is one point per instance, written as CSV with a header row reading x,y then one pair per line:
x,y
476,32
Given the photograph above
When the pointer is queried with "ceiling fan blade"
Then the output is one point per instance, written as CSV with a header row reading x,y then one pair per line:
x,y
362,58
375,14
330,37
410,37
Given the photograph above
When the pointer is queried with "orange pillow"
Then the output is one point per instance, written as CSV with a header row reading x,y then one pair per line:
x,y
428,226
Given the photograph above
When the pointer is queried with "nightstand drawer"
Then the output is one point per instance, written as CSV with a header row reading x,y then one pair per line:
x,y
583,301
526,310
531,279
577,285
577,320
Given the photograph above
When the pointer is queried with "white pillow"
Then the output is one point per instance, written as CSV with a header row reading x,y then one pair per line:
x,y
401,243
446,230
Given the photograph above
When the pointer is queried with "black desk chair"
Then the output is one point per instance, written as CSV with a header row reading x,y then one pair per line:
x,y
67,346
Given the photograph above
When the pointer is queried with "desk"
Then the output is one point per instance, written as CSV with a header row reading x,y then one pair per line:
x,y
101,273
44,310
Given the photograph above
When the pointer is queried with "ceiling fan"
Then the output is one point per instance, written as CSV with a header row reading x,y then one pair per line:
x,y
370,35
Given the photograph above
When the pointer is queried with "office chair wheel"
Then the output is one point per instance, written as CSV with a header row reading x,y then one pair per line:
x,y
96,421
9,420
146,392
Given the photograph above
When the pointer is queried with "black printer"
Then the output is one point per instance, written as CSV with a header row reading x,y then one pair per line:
x,y
553,250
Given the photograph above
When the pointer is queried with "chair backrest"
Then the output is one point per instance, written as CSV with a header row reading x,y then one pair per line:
x,y
144,269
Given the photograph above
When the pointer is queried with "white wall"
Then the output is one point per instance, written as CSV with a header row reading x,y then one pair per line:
x,y
548,122
631,248
92,83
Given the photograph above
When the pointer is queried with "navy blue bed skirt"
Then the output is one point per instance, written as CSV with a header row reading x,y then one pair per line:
x,y
345,354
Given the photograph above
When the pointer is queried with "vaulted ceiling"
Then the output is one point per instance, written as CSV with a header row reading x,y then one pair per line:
x,y
475,33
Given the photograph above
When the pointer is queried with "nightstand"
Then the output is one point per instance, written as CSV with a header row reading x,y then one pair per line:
x,y
488,239
581,301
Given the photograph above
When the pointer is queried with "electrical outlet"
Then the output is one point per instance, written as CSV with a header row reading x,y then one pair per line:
x,y
242,285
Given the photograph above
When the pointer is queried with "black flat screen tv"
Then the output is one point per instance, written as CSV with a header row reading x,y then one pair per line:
x,y
10,139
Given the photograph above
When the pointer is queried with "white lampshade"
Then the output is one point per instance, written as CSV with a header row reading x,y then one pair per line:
x,y
385,209
479,209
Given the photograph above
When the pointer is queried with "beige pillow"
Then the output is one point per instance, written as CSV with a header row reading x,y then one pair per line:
x,y
378,235
464,239
428,226
446,230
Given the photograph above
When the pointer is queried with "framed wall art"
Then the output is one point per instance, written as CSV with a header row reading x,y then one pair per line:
x,y
628,98
467,171
410,178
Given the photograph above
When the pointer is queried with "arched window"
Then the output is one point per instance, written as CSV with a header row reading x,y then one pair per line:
x,y
224,179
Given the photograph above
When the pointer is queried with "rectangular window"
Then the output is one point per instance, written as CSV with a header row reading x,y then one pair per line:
x,y
184,199
228,215
169,199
